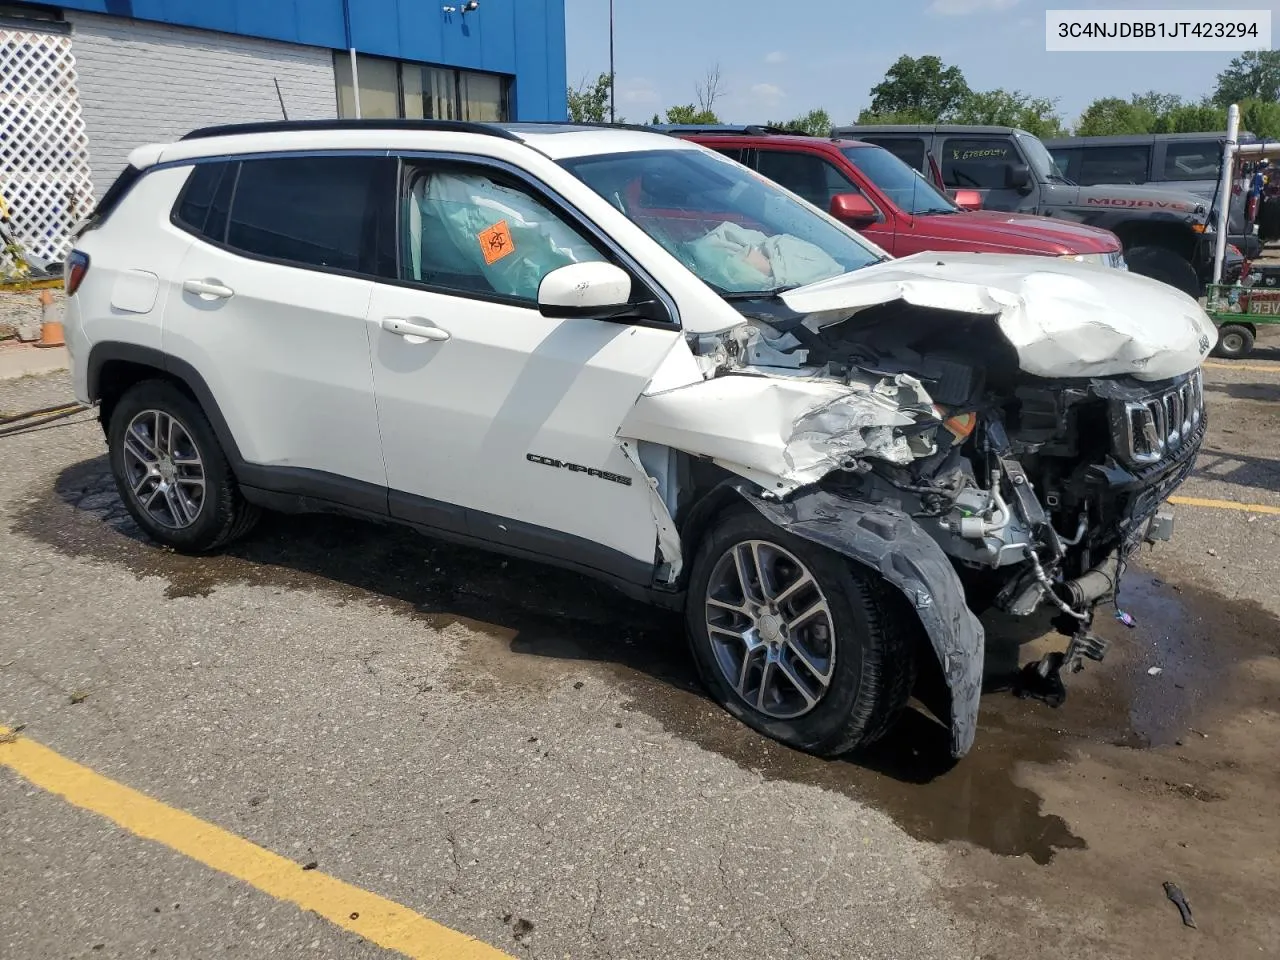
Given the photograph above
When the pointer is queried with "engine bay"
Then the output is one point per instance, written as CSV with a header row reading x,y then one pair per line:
x,y
1038,490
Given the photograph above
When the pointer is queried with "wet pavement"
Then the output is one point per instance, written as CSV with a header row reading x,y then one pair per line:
x,y
511,741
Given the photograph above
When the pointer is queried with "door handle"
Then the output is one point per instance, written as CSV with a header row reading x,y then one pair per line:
x,y
407,328
208,289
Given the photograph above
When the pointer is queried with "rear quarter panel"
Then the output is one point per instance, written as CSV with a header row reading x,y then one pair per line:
x,y
133,257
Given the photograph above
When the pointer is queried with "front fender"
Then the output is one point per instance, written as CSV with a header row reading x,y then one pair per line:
x,y
889,542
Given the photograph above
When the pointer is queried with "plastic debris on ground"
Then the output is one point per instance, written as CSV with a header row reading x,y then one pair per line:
x,y
1179,900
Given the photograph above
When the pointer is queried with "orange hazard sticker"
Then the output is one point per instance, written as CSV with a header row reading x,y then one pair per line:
x,y
496,242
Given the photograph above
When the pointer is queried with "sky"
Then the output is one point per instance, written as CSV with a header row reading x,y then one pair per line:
x,y
781,58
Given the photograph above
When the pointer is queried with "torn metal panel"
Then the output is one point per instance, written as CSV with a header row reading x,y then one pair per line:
x,y
789,431
889,542
1064,319
661,501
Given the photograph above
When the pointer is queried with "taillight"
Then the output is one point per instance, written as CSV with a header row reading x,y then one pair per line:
x,y
74,272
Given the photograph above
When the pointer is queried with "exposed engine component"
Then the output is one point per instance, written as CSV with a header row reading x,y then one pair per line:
x,y
1037,490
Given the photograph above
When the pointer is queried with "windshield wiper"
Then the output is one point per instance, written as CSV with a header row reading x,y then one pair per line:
x,y
1059,178
760,294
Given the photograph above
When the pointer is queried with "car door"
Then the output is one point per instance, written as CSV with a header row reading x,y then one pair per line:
x,y
1112,164
986,164
270,307
497,422
817,179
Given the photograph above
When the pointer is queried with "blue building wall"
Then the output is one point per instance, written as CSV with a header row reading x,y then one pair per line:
x,y
522,38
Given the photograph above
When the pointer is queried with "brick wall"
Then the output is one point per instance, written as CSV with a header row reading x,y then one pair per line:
x,y
146,83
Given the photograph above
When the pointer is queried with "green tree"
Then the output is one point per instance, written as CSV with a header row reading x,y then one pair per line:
x,y
589,103
923,87
894,116
1156,103
688,113
1261,118
1003,108
1111,116
815,123
1192,118
1254,75
1150,112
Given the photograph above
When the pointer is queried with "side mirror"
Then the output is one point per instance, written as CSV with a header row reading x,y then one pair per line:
x,y
593,290
1018,177
854,209
969,199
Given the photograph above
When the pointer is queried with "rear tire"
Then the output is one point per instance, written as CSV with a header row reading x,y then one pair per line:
x,y
1234,341
171,471
855,657
1160,263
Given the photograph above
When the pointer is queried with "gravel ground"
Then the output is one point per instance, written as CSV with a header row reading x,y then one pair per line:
x,y
489,742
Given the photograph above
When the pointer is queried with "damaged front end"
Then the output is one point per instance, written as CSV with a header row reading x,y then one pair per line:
x,y
932,444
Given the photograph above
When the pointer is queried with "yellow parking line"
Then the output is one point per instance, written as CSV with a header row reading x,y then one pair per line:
x,y
1242,366
376,919
1225,505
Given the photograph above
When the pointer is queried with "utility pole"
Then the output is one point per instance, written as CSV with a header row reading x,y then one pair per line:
x,y
613,77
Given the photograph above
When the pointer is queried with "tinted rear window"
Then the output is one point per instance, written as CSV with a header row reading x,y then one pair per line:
x,y
314,211
206,199
910,150
1115,165
1192,160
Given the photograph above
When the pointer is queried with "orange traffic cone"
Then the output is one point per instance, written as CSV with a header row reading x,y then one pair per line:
x,y
50,329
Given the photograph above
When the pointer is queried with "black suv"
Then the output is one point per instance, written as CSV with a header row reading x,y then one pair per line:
x,y
1167,234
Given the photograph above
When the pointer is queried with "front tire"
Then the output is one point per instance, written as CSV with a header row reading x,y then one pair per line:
x,y
795,640
1164,265
171,472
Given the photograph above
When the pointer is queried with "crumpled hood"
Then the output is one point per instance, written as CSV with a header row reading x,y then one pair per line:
x,y
1065,319
1024,230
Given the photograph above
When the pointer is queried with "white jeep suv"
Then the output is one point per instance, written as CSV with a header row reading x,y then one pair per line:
x,y
624,354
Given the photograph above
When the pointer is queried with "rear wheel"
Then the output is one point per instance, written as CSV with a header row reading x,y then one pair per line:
x,y
1234,341
171,473
795,640
1160,263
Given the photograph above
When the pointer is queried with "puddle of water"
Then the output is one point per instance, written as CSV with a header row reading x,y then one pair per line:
x,y
522,621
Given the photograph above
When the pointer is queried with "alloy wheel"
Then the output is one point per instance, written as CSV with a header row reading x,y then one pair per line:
x,y
771,629
164,469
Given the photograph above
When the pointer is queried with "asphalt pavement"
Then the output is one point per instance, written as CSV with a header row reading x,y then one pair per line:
x,y
523,757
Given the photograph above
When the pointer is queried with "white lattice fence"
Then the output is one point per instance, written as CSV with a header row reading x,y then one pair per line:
x,y
44,151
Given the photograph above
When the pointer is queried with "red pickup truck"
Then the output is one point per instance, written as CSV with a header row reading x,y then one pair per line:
x,y
877,194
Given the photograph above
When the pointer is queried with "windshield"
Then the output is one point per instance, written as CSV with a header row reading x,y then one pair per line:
x,y
905,187
738,232
1041,160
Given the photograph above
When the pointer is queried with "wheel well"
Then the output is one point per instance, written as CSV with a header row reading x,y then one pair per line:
x,y
116,377
713,494
1168,236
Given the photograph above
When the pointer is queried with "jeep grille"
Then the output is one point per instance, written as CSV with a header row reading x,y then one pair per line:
x,y
1159,426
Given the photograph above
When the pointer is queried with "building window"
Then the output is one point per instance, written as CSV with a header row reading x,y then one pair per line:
x,y
393,88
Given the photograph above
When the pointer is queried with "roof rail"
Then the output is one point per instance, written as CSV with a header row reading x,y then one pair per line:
x,y
284,126
746,130
603,124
